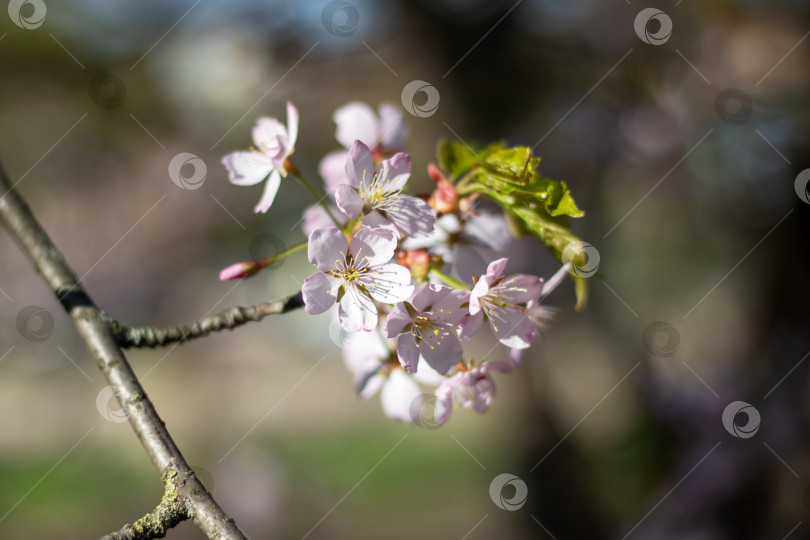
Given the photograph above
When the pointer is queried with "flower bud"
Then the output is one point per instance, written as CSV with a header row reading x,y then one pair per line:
x,y
418,261
445,197
241,270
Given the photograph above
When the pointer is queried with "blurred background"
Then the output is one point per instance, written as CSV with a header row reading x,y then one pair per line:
x,y
682,133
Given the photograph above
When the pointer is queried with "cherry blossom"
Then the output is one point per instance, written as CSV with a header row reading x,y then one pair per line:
x,y
384,133
274,144
372,361
425,327
356,275
502,301
472,388
377,194
465,244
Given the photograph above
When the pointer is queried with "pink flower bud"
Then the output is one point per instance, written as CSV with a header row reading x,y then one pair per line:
x,y
241,270
418,261
445,198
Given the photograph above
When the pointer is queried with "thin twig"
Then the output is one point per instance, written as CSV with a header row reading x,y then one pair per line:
x,y
169,513
152,336
95,328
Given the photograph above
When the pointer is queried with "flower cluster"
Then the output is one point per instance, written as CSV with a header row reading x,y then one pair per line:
x,y
403,270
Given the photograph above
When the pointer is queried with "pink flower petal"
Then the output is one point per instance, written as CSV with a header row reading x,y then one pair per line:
x,y
373,247
393,131
315,217
513,329
360,165
388,283
269,135
441,351
292,126
397,319
519,288
495,269
412,217
357,311
327,249
356,121
407,352
333,169
393,173
375,220
349,201
247,168
449,307
269,193
470,325
320,293
480,289
398,393
428,294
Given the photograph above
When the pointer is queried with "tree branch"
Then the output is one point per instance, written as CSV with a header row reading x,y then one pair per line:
x,y
169,513
151,336
94,326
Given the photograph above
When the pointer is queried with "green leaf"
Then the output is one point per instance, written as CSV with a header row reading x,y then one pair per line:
x,y
513,165
532,203
457,158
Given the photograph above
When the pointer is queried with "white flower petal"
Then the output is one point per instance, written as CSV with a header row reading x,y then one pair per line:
x,y
359,166
428,294
349,201
269,193
518,289
448,308
292,126
397,319
487,230
356,121
388,283
393,131
270,136
372,386
467,260
444,397
247,168
372,247
375,220
427,375
442,351
393,173
411,216
470,325
398,393
333,169
315,217
512,328
407,352
357,311
320,293
480,289
495,269
327,249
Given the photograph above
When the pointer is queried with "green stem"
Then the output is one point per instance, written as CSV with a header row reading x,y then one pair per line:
x,y
270,260
320,199
449,280
465,179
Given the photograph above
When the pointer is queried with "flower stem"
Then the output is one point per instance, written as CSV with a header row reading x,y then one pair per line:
x,y
449,280
320,199
462,182
270,260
